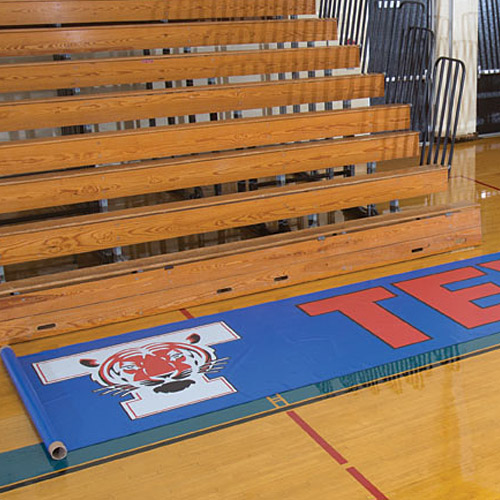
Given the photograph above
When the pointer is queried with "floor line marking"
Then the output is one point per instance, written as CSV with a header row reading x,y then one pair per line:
x,y
316,437
480,182
367,484
186,313
360,478
277,400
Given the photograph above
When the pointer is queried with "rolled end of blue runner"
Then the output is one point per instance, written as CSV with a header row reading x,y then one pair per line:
x,y
54,445
57,450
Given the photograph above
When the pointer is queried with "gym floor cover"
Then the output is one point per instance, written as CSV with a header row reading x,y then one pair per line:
x,y
149,387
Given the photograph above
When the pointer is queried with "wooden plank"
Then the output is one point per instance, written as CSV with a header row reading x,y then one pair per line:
x,y
186,268
88,274
136,105
341,249
28,12
77,40
39,155
127,70
80,186
47,239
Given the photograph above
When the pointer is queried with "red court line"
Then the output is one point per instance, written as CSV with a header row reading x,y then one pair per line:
x,y
313,434
337,456
325,445
186,313
480,182
367,484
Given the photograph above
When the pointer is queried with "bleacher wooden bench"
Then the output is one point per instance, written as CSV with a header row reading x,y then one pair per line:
x,y
41,175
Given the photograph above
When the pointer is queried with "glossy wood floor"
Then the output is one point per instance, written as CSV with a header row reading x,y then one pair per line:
x,y
431,435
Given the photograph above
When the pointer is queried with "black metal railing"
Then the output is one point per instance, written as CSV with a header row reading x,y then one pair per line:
x,y
489,37
388,23
381,28
352,17
410,82
488,98
445,95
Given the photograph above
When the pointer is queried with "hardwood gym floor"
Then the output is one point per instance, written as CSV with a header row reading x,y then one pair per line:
x,y
429,435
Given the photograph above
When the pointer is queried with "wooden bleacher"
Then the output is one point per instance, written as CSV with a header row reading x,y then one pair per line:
x,y
43,177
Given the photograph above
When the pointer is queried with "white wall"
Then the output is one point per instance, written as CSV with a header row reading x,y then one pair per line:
x,y
462,33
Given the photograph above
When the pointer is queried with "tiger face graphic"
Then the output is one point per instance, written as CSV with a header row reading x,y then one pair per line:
x,y
162,367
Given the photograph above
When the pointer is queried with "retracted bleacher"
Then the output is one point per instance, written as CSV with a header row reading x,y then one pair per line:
x,y
123,136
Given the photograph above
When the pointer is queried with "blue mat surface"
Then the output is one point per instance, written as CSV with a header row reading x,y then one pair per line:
x,y
105,389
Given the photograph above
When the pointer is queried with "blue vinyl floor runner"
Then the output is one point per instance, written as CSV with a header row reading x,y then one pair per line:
x,y
113,387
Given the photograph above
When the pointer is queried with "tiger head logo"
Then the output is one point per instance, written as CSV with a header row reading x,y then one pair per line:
x,y
164,367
